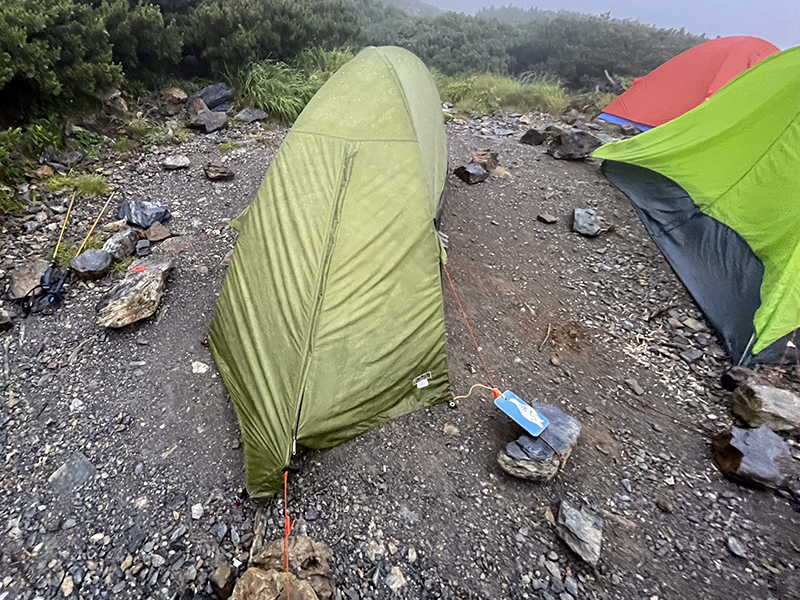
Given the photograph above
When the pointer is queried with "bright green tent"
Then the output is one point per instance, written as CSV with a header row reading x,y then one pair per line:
x,y
331,319
719,190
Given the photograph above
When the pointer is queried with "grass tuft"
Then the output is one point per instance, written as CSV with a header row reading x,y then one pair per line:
x,y
83,185
278,89
124,146
228,146
69,248
120,267
485,94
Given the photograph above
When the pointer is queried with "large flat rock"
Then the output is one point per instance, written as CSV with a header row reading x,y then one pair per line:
x,y
137,296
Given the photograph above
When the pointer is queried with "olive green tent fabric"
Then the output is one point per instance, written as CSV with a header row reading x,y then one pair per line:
x,y
332,305
738,157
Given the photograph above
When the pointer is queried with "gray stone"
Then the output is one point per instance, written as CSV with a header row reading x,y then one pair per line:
x,y
179,531
760,404
218,172
91,264
122,244
222,580
248,115
547,218
749,455
74,473
586,222
534,137
636,388
197,511
137,296
471,173
736,548
173,95
208,121
395,579
219,529
157,232
142,213
142,247
501,131
6,323
691,354
573,145
214,95
25,278
176,161
532,458
571,585
71,159
581,529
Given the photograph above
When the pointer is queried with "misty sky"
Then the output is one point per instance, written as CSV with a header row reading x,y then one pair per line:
x,y
775,20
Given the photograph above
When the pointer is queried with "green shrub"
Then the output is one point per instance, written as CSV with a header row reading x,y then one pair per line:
x,y
228,146
278,89
53,51
86,139
8,205
42,133
12,165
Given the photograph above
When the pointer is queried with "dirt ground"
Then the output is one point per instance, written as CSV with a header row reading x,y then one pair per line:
x,y
561,318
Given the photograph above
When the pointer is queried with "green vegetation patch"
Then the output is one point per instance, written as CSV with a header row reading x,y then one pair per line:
x,y
484,94
83,185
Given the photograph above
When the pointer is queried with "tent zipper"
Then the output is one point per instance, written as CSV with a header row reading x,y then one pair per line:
x,y
350,151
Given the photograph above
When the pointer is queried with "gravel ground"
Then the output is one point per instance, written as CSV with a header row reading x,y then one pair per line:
x,y
562,318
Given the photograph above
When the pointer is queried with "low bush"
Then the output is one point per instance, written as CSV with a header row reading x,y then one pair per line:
x,y
83,185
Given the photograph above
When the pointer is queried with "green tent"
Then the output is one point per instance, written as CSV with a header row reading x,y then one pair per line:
x,y
719,191
331,320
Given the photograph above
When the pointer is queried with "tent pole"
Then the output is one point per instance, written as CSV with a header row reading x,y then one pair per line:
x,y
746,350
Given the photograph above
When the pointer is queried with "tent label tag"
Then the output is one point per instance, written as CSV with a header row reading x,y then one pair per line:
x,y
522,413
422,381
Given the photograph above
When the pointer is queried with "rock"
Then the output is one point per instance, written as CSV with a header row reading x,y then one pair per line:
x,y
115,226
222,580
176,161
501,131
122,244
67,585
137,296
143,247
586,222
312,514
260,584
736,548
49,155
173,95
194,106
91,264
694,324
74,473
217,172
760,404
219,529
533,137
71,159
471,173
197,511
450,429
6,323
547,218
734,377
749,455
581,529
531,458
691,354
214,95
157,232
208,121
573,145
665,505
113,101
395,579
636,388
248,115
24,279
308,559
142,213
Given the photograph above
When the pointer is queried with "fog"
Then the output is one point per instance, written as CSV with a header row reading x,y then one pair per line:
x,y
775,20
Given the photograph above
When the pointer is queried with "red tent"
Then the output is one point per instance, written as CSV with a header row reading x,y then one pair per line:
x,y
686,81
